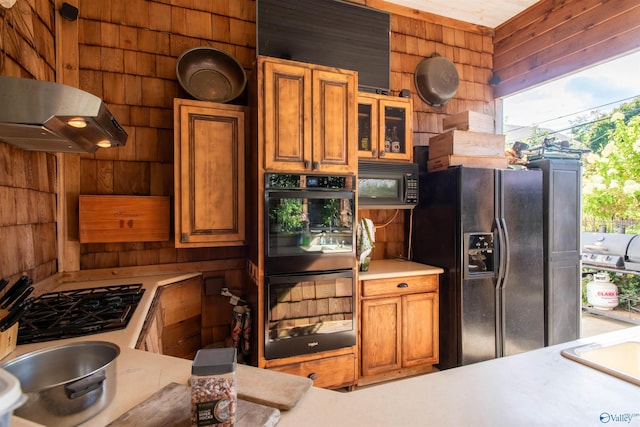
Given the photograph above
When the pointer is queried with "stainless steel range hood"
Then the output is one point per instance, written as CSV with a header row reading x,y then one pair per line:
x,y
44,116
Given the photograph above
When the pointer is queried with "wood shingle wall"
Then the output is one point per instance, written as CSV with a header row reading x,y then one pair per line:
x,y
27,179
127,56
126,52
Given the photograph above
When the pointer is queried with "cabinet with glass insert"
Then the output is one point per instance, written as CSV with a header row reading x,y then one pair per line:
x,y
384,127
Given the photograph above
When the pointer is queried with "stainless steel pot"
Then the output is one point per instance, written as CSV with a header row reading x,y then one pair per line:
x,y
436,80
66,384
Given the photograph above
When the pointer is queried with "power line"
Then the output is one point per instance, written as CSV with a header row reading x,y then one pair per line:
x,y
632,113
576,113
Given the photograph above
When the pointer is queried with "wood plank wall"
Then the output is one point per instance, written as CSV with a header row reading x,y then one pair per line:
x,y
27,179
554,38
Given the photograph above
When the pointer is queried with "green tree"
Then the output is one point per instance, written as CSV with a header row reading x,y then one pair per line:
x,y
592,131
611,187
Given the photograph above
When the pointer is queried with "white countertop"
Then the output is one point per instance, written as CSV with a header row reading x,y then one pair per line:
x,y
388,268
538,388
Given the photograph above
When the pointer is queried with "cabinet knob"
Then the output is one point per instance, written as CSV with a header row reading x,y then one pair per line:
x,y
316,165
382,153
313,376
307,164
403,285
374,153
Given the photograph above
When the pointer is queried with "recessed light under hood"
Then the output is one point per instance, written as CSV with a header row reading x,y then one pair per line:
x,y
39,115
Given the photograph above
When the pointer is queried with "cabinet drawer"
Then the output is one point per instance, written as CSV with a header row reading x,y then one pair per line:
x,y
400,285
331,372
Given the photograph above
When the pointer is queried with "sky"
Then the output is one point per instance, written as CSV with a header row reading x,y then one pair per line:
x,y
553,105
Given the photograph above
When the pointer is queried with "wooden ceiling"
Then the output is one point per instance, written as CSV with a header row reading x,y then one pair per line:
x,y
488,13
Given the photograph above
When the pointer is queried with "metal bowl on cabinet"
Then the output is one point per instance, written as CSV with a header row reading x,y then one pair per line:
x,y
210,74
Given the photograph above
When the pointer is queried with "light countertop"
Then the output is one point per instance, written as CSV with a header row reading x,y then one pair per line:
x,y
538,388
388,268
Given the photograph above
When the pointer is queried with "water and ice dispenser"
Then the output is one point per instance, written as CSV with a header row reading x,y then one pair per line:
x,y
479,256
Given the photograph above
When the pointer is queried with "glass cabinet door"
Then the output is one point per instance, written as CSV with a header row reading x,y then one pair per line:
x,y
367,128
384,128
395,130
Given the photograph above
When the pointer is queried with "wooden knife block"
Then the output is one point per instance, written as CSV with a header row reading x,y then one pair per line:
x,y
8,338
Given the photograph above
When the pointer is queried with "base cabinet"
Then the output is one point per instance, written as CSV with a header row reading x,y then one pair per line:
x,y
399,327
173,323
328,372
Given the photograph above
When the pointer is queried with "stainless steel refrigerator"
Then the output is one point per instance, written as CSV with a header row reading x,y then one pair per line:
x,y
485,228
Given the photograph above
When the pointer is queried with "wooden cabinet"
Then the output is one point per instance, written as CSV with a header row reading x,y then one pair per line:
x,y
209,174
385,130
173,322
308,117
399,327
328,372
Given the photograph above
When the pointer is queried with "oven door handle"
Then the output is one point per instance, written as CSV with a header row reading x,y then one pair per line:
x,y
309,194
278,279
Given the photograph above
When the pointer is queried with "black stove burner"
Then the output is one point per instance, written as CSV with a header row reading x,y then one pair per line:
x,y
68,314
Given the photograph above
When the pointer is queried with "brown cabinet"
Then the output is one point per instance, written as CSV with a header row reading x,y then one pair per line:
x,y
399,327
209,174
328,372
308,117
385,129
173,322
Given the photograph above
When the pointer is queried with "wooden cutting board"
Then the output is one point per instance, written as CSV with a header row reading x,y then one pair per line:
x,y
277,389
171,407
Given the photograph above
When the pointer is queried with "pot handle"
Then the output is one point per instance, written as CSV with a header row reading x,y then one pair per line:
x,y
85,385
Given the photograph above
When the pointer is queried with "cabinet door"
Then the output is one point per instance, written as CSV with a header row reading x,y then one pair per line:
x,y
419,329
367,127
380,335
209,174
334,122
287,117
331,372
395,129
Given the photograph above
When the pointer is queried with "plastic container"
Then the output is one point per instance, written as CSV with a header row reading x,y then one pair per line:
x,y
601,293
11,397
213,387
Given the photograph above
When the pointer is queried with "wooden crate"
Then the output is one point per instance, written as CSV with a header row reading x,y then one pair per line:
x,y
466,143
110,219
469,120
442,163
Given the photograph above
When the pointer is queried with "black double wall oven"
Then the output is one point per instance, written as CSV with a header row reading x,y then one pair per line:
x,y
309,262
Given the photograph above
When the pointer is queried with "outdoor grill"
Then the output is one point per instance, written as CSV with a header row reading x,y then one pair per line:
x,y
611,250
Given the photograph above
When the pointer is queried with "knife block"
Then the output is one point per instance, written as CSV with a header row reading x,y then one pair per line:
x,y
8,338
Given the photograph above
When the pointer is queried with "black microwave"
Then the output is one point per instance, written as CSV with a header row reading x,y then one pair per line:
x,y
386,185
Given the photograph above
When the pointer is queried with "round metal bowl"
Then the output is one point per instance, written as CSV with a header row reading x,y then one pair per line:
x,y
67,384
436,80
209,74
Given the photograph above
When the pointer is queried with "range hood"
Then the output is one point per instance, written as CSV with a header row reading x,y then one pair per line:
x,y
39,115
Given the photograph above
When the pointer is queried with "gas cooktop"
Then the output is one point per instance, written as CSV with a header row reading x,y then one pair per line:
x,y
74,313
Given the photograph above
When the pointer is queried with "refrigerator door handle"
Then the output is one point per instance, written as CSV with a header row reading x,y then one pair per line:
x,y
505,255
501,250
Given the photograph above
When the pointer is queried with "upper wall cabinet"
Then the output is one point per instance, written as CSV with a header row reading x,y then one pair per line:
x,y
384,127
308,115
209,174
